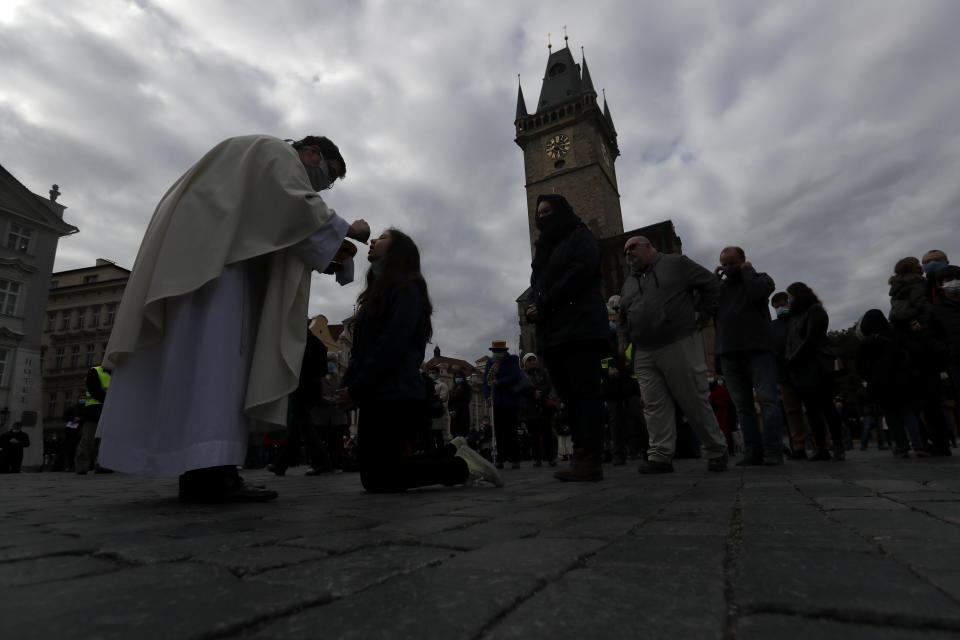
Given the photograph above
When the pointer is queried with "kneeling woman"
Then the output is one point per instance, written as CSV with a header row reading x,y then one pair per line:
x,y
383,380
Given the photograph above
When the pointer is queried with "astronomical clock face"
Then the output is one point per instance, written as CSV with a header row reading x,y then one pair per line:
x,y
558,146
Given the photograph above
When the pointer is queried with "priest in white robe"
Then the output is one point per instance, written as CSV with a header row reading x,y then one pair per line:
x,y
211,331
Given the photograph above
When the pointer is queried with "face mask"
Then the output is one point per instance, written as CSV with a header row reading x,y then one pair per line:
x,y
319,178
331,367
458,380
933,266
613,326
433,377
951,286
497,356
711,381
783,312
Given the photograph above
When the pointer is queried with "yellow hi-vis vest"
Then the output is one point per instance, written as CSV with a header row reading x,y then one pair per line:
x,y
104,384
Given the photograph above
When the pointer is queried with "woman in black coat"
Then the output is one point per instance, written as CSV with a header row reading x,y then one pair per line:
x,y
810,367
383,377
566,305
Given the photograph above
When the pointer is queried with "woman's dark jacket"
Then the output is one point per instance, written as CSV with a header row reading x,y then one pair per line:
x,y
531,408
388,349
566,287
808,355
459,403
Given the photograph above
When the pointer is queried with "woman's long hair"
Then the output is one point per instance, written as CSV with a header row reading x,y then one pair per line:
x,y
905,267
803,296
401,265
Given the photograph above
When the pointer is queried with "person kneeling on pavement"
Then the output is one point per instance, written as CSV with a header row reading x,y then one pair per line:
x,y
383,377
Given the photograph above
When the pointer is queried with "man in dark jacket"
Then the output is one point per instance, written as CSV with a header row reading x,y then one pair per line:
x,y
566,305
665,301
745,357
12,444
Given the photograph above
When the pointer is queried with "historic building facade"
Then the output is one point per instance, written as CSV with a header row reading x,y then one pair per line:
x,y
30,228
79,318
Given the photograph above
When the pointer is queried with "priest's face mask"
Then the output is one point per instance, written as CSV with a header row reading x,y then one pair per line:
x,y
320,171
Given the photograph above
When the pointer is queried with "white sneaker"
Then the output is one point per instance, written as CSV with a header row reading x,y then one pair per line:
x,y
477,465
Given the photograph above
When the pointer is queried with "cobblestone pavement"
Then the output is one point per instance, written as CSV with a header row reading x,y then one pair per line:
x,y
868,548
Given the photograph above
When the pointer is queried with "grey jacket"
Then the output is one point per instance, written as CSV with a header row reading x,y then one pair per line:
x,y
659,304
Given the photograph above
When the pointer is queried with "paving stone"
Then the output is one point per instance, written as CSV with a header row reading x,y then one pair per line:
x,y
251,560
345,574
859,584
49,569
344,541
538,557
149,549
919,497
160,601
944,578
614,603
429,525
593,525
783,627
431,603
485,533
831,503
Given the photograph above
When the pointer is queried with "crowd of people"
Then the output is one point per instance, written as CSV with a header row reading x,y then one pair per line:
x,y
208,340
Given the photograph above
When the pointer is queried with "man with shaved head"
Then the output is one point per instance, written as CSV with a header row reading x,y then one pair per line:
x,y
665,301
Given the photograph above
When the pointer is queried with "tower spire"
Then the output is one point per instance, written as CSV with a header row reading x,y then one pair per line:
x,y
549,44
521,103
587,81
565,37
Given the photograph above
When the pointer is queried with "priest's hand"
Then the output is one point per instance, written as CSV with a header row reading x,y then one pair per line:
x,y
359,230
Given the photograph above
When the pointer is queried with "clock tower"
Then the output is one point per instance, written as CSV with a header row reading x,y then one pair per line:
x,y
569,147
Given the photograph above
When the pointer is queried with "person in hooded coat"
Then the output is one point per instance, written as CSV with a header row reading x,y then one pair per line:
x,y
567,307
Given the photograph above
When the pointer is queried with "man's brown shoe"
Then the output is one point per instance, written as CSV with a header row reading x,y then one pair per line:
x,y
584,468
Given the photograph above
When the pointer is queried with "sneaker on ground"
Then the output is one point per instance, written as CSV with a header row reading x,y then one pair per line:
x,y
477,465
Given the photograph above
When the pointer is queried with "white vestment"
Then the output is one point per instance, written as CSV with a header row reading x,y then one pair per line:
x,y
211,330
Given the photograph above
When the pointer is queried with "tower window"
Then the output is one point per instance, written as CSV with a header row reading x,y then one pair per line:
x,y
557,69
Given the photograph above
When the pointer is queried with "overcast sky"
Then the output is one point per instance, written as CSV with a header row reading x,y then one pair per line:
x,y
823,137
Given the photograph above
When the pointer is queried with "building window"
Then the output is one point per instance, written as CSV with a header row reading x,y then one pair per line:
x,y
54,284
3,363
19,238
67,402
52,405
91,352
81,318
103,351
9,296
90,279
58,362
51,321
95,317
111,311
65,321
74,356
